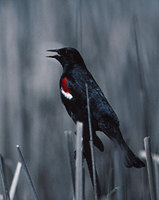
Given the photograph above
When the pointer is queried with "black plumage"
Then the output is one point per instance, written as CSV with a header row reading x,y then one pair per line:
x,y
73,94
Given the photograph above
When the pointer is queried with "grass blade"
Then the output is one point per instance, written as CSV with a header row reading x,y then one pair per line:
x,y
27,173
155,157
157,180
71,157
79,162
4,185
112,192
15,181
150,169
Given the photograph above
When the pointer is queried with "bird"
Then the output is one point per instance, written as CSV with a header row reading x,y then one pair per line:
x,y
72,84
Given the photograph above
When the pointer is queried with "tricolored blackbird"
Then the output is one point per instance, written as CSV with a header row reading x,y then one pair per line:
x,y
73,94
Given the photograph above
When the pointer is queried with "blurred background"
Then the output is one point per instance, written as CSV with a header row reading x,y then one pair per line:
x,y
119,42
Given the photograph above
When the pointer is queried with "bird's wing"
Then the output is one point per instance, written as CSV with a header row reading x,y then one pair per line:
x,y
98,103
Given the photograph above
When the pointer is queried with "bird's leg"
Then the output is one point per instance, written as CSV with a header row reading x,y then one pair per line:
x,y
97,142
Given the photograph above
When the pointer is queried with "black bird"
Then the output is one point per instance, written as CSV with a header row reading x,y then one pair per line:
x,y
73,94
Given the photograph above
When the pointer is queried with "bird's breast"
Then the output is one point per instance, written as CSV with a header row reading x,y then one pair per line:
x,y
65,90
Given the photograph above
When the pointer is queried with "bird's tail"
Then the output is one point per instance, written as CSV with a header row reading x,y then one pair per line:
x,y
129,158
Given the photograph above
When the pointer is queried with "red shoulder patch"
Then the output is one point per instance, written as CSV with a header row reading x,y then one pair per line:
x,y
64,85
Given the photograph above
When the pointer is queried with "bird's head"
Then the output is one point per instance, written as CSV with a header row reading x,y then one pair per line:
x,y
67,56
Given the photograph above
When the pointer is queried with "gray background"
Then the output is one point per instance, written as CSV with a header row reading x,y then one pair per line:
x,y
31,113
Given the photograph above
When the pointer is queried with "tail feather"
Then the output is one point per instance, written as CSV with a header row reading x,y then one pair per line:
x,y
130,160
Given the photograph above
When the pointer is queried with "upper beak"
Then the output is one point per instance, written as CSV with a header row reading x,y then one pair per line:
x,y
56,56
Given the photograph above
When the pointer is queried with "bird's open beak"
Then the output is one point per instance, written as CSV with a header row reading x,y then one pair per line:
x,y
56,56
